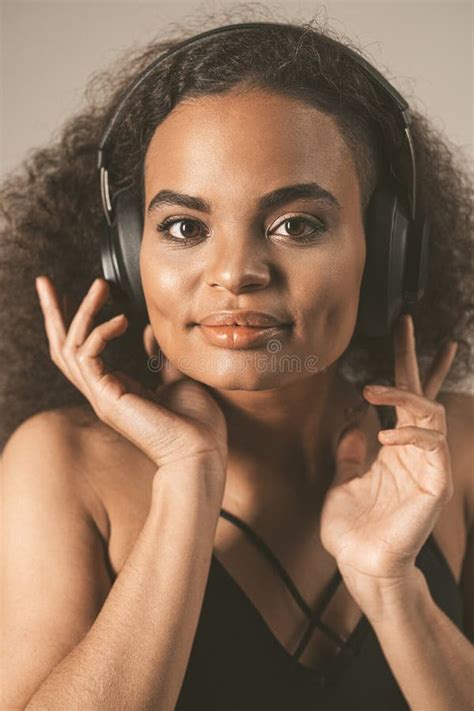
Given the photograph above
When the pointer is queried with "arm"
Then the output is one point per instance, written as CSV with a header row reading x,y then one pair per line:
x,y
432,661
136,653
375,522
131,650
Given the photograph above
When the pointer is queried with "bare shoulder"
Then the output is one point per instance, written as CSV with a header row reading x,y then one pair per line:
x,y
95,458
51,541
459,408
56,441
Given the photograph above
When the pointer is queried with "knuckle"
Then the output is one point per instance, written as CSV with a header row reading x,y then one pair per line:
x,y
96,335
446,491
106,412
67,350
100,411
100,327
105,404
81,357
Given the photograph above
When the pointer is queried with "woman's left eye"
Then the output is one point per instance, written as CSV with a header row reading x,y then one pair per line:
x,y
297,233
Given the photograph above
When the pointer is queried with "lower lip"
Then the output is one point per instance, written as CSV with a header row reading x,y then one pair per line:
x,y
236,337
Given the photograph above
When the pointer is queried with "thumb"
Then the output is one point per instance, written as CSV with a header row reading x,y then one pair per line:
x,y
351,454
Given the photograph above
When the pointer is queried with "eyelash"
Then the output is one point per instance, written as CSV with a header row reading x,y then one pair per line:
x,y
163,228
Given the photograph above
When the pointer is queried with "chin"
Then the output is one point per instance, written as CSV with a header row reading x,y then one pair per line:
x,y
228,376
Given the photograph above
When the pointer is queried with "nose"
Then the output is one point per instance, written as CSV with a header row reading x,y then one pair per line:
x,y
239,264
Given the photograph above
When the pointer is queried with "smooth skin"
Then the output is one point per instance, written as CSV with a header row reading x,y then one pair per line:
x,y
268,431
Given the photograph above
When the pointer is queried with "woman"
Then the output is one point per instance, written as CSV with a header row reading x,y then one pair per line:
x,y
128,589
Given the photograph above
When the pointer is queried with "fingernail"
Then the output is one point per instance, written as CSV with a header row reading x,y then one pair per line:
x,y
377,388
95,286
406,321
40,291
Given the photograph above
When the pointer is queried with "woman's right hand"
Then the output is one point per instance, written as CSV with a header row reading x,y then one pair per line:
x,y
177,421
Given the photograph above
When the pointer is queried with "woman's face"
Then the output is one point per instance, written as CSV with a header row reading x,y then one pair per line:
x,y
234,247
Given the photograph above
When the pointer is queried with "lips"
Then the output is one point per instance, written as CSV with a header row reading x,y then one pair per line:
x,y
243,329
242,337
257,319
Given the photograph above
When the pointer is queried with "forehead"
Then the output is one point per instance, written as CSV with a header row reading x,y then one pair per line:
x,y
248,138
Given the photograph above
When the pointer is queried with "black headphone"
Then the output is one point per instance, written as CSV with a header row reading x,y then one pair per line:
x,y
397,238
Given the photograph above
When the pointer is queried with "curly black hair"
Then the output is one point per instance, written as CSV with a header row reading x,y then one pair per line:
x,y
52,217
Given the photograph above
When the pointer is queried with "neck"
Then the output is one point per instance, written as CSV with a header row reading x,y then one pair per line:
x,y
282,440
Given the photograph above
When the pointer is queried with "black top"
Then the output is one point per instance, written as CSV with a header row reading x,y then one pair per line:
x,y
237,663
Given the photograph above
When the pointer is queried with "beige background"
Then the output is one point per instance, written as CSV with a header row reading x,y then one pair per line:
x,y
49,49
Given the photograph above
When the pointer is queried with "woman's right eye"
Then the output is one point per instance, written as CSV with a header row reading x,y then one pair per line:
x,y
185,235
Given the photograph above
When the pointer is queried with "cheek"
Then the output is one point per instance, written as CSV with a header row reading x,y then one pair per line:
x,y
328,295
161,280
166,297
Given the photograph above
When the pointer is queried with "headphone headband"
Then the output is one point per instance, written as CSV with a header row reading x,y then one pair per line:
x,y
401,106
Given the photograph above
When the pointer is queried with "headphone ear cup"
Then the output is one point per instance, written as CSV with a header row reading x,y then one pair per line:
x,y
120,252
381,294
416,273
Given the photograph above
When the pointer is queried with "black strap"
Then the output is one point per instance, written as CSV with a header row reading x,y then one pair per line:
x,y
329,591
386,419
315,620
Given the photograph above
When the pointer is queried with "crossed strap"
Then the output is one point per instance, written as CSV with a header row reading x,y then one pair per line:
x,y
314,616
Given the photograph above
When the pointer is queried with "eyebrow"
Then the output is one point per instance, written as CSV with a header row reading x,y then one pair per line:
x,y
273,199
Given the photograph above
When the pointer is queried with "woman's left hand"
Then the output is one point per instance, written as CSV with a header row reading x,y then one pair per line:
x,y
374,522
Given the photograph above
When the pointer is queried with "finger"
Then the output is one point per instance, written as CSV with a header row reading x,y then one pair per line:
x,y
434,477
407,375
439,369
427,439
53,321
153,426
80,327
88,357
90,305
426,412
57,335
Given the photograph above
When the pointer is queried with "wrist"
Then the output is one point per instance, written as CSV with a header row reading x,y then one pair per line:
x,y
199,477
387,601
